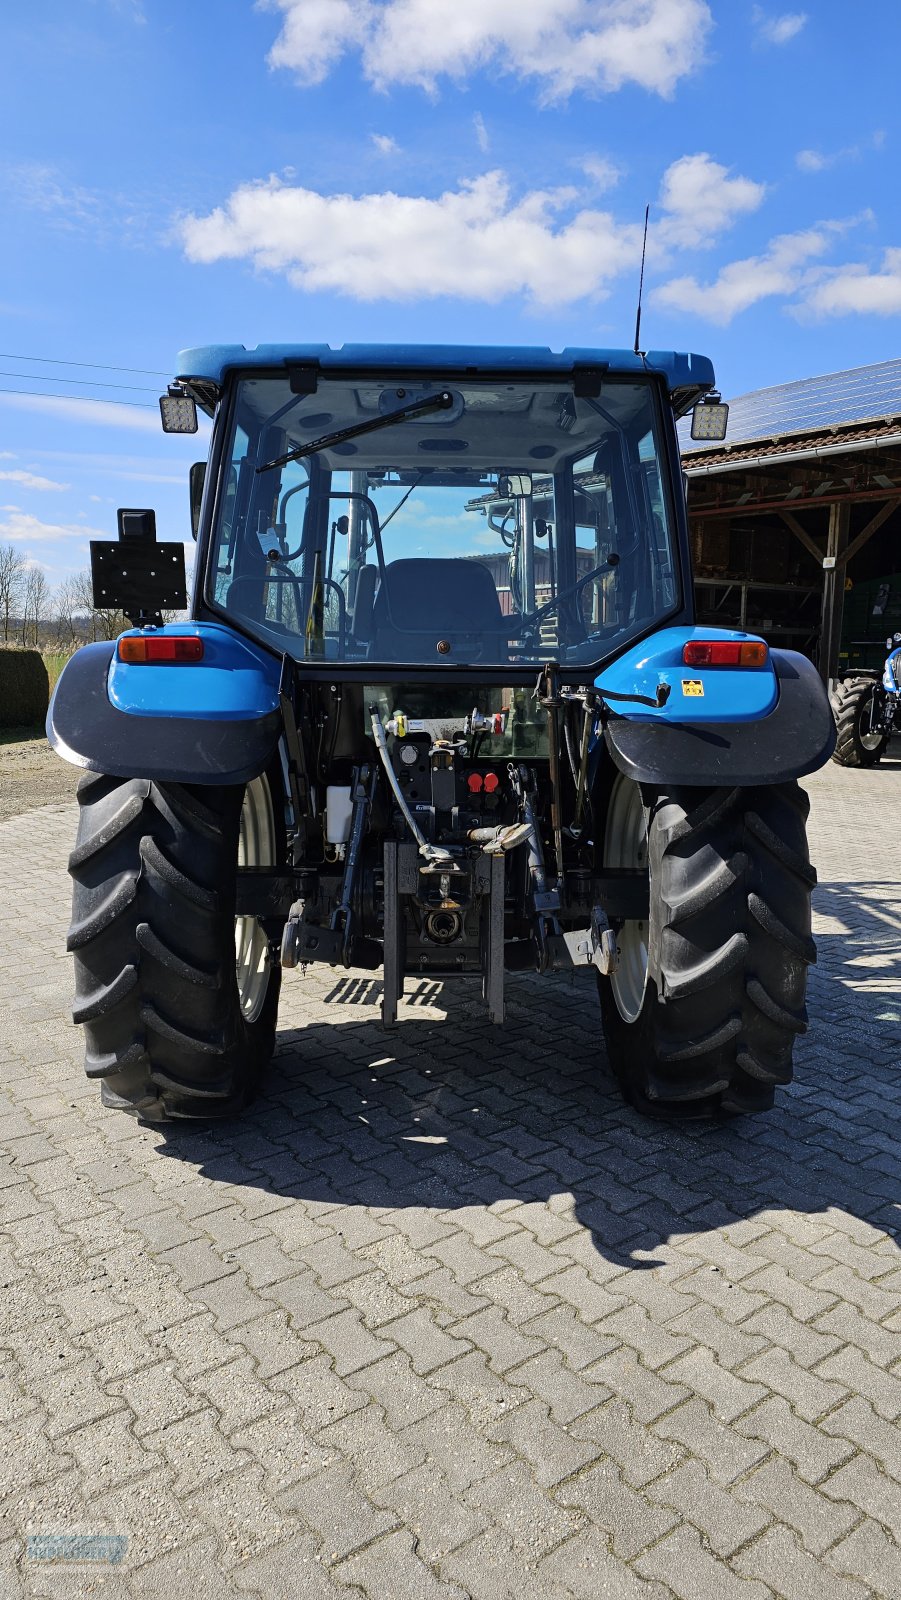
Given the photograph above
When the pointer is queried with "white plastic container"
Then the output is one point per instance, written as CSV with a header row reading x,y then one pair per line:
x,y
338,811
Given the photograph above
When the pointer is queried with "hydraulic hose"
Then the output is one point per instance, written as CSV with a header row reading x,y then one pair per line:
x,y
431,852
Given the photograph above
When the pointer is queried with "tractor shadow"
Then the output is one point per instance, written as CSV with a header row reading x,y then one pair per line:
x,y
446,1112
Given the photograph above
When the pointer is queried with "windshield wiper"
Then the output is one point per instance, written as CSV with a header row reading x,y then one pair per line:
x,y
415,408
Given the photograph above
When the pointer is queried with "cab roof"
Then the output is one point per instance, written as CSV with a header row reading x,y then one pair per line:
x,y
687,376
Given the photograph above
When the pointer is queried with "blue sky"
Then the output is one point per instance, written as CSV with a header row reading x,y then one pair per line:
x,y
473,170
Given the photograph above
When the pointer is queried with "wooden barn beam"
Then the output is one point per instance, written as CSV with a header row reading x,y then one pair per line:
x,y
810,545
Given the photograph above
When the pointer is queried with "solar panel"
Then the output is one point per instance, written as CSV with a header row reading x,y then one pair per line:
x,y
863,394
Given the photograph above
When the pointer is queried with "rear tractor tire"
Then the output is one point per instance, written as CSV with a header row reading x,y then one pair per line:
x,y
178,997
853,702
702,1011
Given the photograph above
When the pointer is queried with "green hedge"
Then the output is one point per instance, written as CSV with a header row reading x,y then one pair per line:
x,y
24,688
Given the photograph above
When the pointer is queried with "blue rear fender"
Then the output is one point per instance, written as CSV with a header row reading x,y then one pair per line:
x,y
720,725
233,682
696,694
214,721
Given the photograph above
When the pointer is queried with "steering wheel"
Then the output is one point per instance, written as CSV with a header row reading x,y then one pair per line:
x,y
535,619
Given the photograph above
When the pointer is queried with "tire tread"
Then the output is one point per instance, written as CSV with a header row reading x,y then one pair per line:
x,y
152,934
729,944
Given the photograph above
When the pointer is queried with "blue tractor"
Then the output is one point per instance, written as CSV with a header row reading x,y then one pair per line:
x,y
867,711
441,708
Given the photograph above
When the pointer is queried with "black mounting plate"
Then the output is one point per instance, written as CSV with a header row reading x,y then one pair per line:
x,y
137,575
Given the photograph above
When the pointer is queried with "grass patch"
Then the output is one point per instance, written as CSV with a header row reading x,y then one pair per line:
x,y
54,661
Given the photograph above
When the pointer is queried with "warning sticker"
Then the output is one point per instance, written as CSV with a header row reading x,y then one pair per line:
x,y
692,686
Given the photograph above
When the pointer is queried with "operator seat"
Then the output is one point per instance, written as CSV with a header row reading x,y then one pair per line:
x,y
361,624
423,603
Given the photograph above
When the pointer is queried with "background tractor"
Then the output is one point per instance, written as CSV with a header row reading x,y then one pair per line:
x,y
441,707
867,711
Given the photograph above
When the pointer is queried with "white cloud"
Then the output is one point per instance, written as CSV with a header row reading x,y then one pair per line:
x,y
779,270
385,145
700,200
477,241
22,527
855,289
820,160
566,45
104,413
44,188
29,480
778,30
481,132
122,219
601,171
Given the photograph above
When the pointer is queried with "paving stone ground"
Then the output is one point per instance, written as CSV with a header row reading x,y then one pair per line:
x,y
440,1317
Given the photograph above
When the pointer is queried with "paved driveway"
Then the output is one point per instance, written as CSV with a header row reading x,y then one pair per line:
x,y
441,1318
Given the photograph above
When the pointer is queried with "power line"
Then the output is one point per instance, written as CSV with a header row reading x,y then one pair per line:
x,y
97,366
92,399
92,383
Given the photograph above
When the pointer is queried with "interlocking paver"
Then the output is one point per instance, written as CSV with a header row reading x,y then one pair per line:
x,y
498,1362
860,1376
870,1555
818,1521
406,1398
552,1452
812,1451
843,1283
320,1396
724,1452
693,1573
390,1568
565,1331
504,1345
724,1520
777,1560
438,1518
725,1392
864,1486
640,1452
512,1499
846,1323
568,1395
804,1343
585,1568
856,1420
463,1453
281,1445
338,1512
243,1514
808,1393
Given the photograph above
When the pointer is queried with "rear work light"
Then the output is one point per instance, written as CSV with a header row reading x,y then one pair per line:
x,y
725,653
177,648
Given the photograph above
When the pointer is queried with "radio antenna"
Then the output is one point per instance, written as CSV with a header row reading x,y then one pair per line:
x,y
644,246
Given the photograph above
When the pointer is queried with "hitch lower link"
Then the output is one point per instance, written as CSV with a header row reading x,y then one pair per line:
x,y
558,950
594,946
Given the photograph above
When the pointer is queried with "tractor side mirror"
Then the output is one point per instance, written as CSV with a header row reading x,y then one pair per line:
x,y
197,481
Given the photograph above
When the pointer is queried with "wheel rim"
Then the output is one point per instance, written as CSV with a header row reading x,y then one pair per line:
x,y
626,845
870,739
256,848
